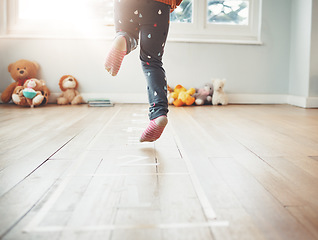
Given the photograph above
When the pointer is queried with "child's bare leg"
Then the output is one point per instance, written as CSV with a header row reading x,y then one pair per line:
x,y
116,55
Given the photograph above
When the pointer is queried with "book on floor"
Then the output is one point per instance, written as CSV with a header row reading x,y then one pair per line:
x,y
100,102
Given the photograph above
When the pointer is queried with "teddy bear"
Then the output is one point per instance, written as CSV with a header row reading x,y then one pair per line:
x,y
181,96
20,71
204,95
219,96
69,84
33,93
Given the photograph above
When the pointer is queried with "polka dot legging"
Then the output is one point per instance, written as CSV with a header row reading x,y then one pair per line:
x,y
150,20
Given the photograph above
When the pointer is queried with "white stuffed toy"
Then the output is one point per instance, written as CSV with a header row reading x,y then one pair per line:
x,y
219,96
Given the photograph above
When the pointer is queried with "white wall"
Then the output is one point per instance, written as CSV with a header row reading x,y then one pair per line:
x,y
82,58
300,47
249,69
303,83
313,83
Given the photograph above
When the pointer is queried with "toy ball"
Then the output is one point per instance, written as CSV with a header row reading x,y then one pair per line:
x,y
29,93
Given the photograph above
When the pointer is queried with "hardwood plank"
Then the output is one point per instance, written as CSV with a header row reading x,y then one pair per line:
x,y
42,158
216,188
72,185
271,178
302,181
307,216
314,158
27,160
20,200
307,163
242,225
87,129
271,218
49,124
274,211
261,135
128,214
126,185
256,165
34,124
160,203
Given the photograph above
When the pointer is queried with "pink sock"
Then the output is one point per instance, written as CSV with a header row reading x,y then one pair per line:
x,y
114,60
154,129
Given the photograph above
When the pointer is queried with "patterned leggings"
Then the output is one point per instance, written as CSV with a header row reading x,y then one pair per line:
x,y
150,19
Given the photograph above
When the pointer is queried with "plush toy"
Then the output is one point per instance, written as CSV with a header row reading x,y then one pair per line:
x,y
20,71
219,96
173,96
32,93
169,92
68,84
204,95
181,96
18,98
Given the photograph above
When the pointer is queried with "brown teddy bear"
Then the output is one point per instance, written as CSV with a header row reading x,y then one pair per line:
x,y
20,71
68,84
32,93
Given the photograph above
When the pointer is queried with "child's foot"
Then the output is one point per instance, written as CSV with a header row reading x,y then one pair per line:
x,y
154,129
116,55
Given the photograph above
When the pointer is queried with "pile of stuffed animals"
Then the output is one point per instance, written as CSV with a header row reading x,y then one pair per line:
x,y
27,90
211,94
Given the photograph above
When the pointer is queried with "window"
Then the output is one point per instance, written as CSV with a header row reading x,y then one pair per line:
x,y
194,20
233,21
227,12
66,10
183,13
67,18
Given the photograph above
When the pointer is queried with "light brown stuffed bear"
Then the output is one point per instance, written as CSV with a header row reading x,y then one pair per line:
x,y
68,84
20,71
32,93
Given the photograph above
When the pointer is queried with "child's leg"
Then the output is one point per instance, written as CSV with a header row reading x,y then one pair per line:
x,y
154,30
154,129
116,55
127,29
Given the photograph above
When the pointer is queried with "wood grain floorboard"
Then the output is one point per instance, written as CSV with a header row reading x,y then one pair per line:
x,y
217,173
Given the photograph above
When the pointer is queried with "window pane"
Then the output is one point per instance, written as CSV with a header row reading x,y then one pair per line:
x,y
228,12
67,10
183,13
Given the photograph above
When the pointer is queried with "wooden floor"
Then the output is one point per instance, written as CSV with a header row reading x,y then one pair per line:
x,y
233,172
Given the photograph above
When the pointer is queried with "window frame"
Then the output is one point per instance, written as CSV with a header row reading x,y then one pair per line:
x,y
201,31
3,17
197,31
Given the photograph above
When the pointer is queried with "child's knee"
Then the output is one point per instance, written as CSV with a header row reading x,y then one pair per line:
x,y
131,41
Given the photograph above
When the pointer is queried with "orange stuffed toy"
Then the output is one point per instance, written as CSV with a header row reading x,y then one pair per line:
x,y
181,96
20,71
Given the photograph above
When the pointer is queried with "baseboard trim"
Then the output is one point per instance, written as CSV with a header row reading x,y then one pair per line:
x,y
297,101
304,102
312,102
257,99
114,97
